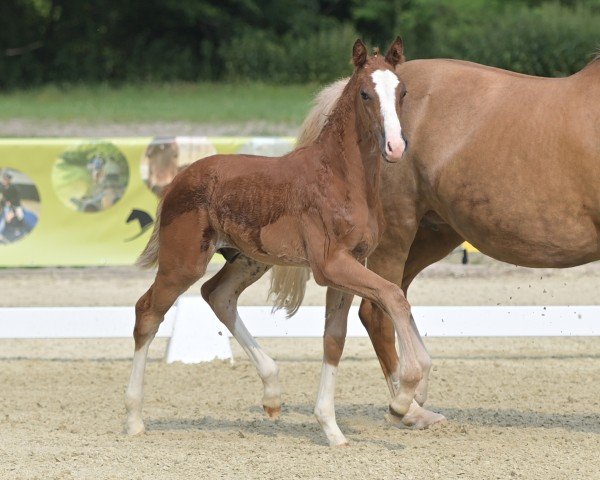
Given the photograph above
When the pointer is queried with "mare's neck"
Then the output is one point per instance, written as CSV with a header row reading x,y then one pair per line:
x,y
349,150
585,96
590,73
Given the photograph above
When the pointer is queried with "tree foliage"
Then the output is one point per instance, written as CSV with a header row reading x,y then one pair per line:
x,y
70,41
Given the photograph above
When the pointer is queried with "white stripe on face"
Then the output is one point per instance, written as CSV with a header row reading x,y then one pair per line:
x,y
385,83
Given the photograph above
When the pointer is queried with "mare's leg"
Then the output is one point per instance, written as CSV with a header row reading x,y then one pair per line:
x,y
222,292
428,247
336,320
343,272
186,246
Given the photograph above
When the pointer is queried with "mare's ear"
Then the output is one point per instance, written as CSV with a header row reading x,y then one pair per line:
x,y
359,54
395,54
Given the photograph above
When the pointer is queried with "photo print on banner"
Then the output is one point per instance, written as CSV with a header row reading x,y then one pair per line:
x,y
91,177
19,205
166,156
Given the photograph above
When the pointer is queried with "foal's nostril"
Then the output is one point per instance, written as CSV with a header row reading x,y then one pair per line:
x,y
389,147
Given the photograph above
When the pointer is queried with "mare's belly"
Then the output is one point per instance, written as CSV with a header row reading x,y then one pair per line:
x,y
525,205
530,237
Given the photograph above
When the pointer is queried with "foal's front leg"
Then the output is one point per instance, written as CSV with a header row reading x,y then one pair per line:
x,y
336,320
343,272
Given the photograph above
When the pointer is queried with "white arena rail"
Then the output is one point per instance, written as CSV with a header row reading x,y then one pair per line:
x,y
196,335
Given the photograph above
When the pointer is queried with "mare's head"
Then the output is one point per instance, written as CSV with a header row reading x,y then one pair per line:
x,y
379,96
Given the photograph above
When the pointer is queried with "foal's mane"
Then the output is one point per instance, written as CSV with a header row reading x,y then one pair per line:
x,y
341,109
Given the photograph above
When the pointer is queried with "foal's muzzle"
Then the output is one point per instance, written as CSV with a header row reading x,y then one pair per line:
x,y
392,150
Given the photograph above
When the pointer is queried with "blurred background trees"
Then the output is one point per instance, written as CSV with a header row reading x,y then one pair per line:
x,y
279,41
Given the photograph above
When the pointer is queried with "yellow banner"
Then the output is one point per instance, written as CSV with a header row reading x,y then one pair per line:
x,y
79,202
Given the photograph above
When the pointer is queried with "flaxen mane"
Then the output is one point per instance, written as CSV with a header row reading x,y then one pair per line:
x,y
323,105
288,284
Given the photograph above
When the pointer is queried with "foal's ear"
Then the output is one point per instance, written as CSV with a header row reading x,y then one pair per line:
x,y
359,54
395,54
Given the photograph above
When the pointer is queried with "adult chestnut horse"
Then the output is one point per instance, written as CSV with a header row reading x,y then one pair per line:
x,y
318,206
509,162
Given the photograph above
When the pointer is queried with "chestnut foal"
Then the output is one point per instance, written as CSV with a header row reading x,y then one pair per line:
x,y
318,206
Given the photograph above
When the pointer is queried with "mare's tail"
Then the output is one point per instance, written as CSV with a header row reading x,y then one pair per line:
x,y
288,284
149,257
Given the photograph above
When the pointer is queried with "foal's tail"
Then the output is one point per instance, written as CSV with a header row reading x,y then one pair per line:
x,y
288,284
149,257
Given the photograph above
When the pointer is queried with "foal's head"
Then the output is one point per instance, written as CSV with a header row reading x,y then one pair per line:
x,y
379,96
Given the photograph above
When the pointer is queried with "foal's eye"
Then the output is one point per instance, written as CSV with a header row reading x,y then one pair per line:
x,y
364,95
403,94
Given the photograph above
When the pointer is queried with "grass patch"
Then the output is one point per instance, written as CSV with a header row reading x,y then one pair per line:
x,y
198,102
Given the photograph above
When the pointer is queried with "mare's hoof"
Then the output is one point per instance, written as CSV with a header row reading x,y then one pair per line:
x,y
417,418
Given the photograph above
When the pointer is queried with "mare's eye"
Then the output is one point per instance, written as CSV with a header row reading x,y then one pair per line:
x,y
364,95
403,94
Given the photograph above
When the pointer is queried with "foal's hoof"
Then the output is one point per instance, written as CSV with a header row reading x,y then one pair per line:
x,y
272,412
344,444
416,418
338,441
135,428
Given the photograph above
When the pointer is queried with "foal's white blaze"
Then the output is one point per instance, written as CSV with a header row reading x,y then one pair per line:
x,y
385,83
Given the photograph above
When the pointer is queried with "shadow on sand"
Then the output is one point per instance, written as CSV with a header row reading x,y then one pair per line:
x,y
307,429
349,415
573,422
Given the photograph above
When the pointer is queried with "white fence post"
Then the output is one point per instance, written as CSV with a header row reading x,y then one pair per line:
x,y
198,335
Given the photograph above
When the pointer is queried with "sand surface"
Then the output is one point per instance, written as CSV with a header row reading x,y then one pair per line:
x,y
517,408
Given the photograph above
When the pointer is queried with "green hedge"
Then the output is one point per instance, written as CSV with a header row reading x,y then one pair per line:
x,y
279,41
549,40
317,57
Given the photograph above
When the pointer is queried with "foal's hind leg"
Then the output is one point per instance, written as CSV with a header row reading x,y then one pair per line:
x,y
185,250
222,292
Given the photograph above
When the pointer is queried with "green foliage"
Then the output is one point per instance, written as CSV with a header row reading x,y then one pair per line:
x,y
318,57
549,39
70,41
80,155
